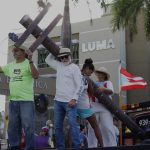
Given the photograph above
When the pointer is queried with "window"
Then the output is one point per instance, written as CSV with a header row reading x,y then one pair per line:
x,y
75,52
42,54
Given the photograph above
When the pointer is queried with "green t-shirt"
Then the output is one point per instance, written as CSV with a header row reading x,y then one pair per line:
x,y
21,81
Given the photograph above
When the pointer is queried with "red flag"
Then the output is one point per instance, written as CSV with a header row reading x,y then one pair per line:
x,y
131,82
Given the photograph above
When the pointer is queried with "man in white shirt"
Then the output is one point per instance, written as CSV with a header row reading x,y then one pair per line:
x,y
68,85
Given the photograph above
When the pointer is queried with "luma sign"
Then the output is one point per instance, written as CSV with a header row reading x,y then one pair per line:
x,y
98,45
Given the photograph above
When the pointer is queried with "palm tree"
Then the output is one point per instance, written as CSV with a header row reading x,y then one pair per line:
x,y
103,3
125,13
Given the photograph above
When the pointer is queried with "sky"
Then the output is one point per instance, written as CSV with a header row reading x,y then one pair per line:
x,y
11,12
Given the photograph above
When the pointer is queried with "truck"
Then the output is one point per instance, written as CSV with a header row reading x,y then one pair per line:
x,y
140,113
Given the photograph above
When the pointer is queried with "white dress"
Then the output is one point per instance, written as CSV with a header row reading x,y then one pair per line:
x,y
105,121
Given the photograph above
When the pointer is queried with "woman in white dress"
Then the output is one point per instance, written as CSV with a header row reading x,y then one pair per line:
x,y
103,116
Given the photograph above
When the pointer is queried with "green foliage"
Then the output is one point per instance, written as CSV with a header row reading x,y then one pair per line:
x,y
125,13
101,2
147,19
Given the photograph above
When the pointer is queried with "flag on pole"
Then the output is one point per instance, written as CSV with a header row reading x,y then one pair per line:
x,y
131,82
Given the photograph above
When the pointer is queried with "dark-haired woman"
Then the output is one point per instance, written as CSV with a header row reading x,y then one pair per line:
x,y
83,106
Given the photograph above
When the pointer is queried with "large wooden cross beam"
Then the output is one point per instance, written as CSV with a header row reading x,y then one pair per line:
x,y
31,27
47,42
42,38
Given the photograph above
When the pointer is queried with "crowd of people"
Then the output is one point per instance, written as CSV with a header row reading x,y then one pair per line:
x,y
74,98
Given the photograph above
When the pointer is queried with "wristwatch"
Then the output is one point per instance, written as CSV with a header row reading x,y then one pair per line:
x,y
31,62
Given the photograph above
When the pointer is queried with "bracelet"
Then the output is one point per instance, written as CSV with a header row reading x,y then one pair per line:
x,y
31,62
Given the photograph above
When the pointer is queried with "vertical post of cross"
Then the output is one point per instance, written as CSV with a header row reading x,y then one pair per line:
x,y
66,27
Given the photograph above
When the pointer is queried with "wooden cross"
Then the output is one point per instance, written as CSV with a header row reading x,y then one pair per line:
x,y
42,38
38,33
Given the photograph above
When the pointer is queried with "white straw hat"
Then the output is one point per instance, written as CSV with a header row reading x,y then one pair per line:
x,y
64,51
103,70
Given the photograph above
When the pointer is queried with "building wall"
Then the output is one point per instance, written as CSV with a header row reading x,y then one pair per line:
x,y
138,61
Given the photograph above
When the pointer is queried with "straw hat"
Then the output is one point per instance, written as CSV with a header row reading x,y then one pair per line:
x,y
103,70
22,47
64,51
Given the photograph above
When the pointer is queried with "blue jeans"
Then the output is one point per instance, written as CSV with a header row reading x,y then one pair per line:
x,y
21,116
60,110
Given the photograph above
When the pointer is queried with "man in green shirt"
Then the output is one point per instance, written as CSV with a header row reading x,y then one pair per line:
x,y
22,73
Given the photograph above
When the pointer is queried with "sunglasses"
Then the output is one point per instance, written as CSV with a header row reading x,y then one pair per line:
x,y
66,57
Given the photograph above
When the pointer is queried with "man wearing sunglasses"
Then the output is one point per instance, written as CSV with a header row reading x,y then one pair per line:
x,y
22,73
68,85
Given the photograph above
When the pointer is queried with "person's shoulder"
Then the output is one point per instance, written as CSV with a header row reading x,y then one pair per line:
x,y
98,83
108,81
74,66
45,127
26,61
10,64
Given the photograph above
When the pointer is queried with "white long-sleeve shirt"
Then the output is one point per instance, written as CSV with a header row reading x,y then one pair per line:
x,y
68,80
83,101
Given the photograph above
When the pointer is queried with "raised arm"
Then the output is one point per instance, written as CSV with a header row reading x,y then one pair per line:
x,y
34,70
50,60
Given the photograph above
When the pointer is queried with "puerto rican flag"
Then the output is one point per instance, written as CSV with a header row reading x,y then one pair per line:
x,y
131,82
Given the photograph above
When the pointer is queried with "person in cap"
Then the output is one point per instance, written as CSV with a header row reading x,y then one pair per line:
x,y
104,117
22,73
68,85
